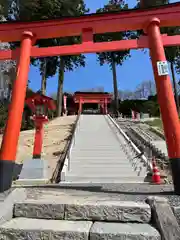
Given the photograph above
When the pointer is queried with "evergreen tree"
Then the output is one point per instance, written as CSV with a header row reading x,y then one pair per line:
x,y
117,57
34,10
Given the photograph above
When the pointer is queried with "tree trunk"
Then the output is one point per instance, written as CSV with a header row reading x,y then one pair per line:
x,y
115,85
12,78
43,80
175,87
60,87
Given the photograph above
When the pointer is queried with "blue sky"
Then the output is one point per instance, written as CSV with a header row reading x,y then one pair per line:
x,y
134,70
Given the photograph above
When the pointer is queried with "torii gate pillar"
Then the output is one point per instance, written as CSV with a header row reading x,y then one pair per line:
x,y
105,103
80,105
166,100
102,108
13,124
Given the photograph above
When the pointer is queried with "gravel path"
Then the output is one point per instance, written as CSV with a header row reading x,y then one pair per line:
x,y
121,192
56,135
108,192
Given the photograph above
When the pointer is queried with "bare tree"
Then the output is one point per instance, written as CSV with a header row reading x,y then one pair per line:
x,y
126,95
145,89
142,91
96,89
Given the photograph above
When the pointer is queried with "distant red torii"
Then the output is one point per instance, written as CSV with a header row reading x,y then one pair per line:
x,y
93,97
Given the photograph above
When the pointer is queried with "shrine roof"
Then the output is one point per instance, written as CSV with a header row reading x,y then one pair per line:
x,y
94,14
38,96
92,93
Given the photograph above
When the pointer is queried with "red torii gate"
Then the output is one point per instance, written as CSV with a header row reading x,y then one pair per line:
x,y
89,97
150,20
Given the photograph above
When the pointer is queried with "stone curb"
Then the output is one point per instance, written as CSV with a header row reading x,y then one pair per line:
x,y
66,166
31,182
163,218
65,169
176,211
7,206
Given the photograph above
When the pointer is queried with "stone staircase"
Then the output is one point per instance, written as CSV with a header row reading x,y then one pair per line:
x,y
102,155
70,215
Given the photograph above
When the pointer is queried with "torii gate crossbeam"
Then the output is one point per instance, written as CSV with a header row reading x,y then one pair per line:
x,y
99,23
90,47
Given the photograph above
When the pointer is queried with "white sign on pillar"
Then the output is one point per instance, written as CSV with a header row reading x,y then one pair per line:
x,y
163,68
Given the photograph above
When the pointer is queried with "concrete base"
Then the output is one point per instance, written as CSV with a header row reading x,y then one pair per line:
x,y
34,171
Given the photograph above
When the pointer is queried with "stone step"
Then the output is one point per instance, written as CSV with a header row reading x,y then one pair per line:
x,y
101,162
98,150
90,171
104,169
90,147
107,171
101,140
108,141
104,179
101,230
82,209
96,154
106,158
98,163
92,156
102,137
104,151
102,154
92,135
102,174
24,228
98,134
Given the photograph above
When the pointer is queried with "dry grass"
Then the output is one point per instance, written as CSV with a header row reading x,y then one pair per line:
x,y
156,123
56,134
